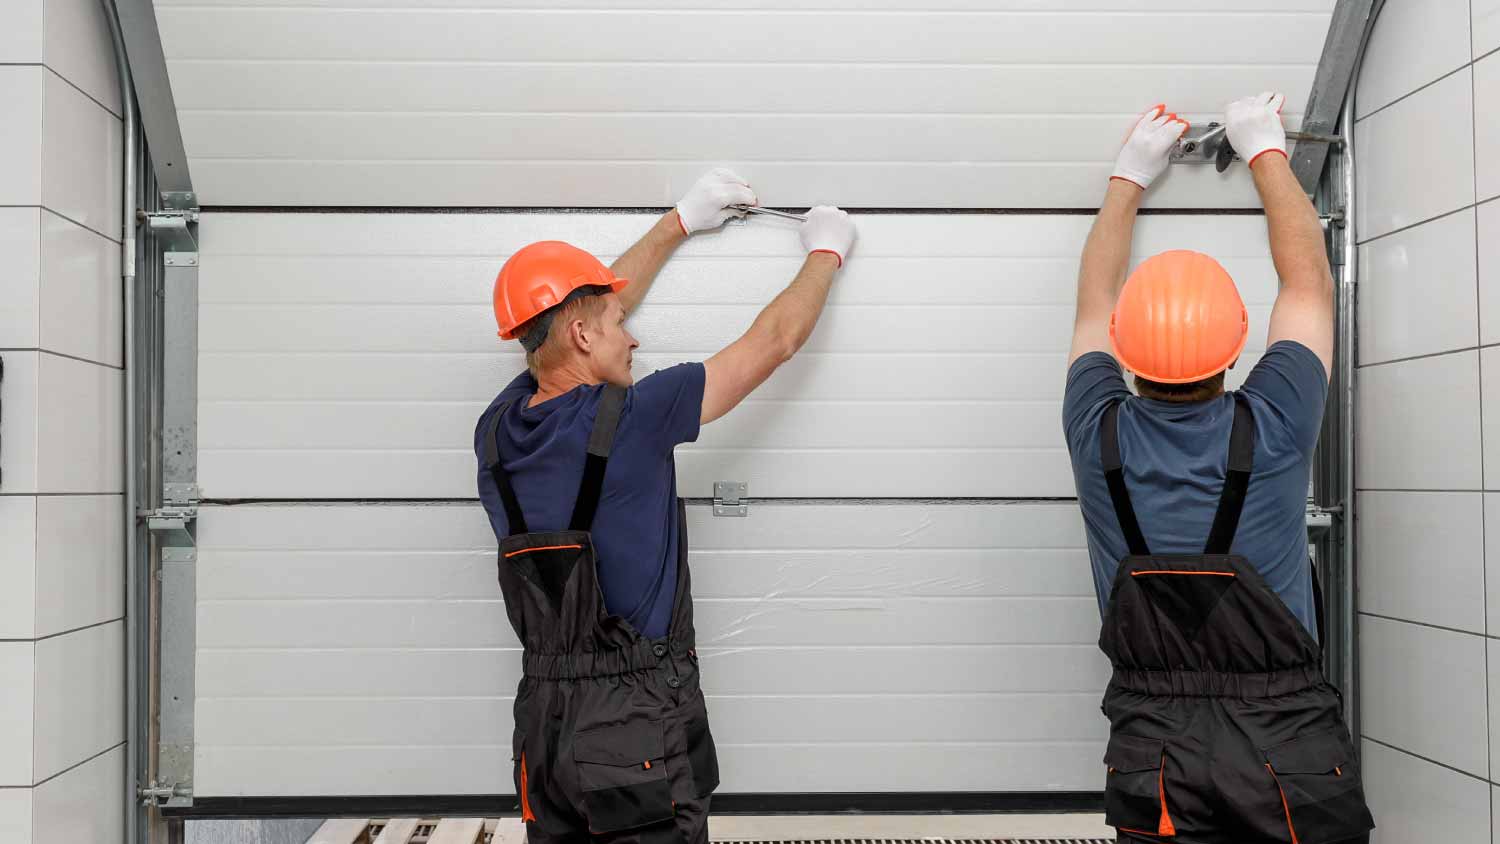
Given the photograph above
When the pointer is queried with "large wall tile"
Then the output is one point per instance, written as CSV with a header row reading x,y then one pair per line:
x,y
1489,371
1492,560
1487,127
17,679
1411,45
21,37
1422,557
81,158
82,301
20,294
21,134
80,552
19,399
80,702
1417,802
78,48
85,804
1428,270
1424,690
15,815
80,428
17,567
1419,424
1401,181
1486,26
1488,225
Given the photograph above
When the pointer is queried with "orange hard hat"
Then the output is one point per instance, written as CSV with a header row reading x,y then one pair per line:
x,y
540,276
1179,319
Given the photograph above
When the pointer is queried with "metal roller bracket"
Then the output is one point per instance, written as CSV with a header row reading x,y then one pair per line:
x,y
1210,144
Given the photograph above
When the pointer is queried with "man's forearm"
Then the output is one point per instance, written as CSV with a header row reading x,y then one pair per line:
x,y
1296,236
790,318
644,260
1106,255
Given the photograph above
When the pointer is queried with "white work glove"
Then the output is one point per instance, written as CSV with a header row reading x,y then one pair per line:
x,y
1254,126
828,229
706,205
1146,150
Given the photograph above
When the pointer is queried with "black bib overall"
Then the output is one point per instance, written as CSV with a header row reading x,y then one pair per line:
x,y
1223,729
611,732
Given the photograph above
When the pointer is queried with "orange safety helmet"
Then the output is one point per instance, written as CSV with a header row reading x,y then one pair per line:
x,y
1180,319
540,277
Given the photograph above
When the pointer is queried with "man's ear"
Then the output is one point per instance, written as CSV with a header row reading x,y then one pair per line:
x,y
578,335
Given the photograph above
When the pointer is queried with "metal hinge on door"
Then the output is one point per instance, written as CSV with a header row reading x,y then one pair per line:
x,y
729,498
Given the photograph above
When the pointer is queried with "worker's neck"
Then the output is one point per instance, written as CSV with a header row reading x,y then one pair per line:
x,y
562,379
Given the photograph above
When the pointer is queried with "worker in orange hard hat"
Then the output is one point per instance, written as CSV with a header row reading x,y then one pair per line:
x,y
1223,729
612,743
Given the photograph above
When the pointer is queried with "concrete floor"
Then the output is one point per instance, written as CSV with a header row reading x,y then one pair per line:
x,y
731,828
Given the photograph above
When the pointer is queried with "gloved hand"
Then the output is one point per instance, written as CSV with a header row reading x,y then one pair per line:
x,y
706,204
1254,126
828,229
1146,150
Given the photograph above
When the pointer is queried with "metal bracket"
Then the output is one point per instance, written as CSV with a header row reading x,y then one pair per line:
x,y
174,229
163,795
1210,145
729,498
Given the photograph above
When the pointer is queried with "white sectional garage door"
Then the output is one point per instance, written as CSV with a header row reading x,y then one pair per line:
x,y
350,632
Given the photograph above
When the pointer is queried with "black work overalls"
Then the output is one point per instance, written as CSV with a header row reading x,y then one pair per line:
x,y
1223,729
611,732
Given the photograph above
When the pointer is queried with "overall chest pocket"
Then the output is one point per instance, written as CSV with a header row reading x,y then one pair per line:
x,y
622,774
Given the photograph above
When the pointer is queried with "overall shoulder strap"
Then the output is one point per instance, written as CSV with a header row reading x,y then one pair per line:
x,y
1114,476
601,442
1236,479
514,518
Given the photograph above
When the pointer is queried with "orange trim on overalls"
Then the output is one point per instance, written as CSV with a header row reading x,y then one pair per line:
x,y
1165,826
543,548
1284,806
527,816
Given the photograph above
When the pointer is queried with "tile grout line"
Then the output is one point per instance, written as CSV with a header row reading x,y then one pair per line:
x,y
1444,765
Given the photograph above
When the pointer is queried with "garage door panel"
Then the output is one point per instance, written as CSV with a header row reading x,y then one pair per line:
x,y
363,648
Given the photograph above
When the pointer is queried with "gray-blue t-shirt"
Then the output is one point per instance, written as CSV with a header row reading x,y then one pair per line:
x,y
636,529
1176,456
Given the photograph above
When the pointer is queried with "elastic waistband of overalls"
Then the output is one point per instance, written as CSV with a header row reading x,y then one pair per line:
x,y
1217,683
643,656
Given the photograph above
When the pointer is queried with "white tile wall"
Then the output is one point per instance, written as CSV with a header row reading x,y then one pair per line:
x,y
1487,127
1417,801
18,423
1429,269
21,37
1488,226
1392,192
80,157
82,302
1489,381
1486,26
21,134
1492,561
78,709
1424,691
80,561
17,684
1423,557
17,566
20,243
78,48
1419,424
83,804
79,443
1411,45
1492,648
15,814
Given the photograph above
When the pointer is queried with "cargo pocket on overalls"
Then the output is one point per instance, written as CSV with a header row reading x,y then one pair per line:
x,y
622,774
703,758
1135,797
1319,787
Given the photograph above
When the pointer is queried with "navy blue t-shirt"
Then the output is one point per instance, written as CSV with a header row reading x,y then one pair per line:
x,y
1176,457
636,528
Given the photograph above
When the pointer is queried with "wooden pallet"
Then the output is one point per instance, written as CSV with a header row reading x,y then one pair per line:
x,y
420,831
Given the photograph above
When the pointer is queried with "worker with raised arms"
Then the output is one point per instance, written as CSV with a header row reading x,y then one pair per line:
x,y
612,742
1223,729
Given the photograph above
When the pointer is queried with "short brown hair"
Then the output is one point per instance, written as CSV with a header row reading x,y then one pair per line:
x,y
551,351
1208,388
